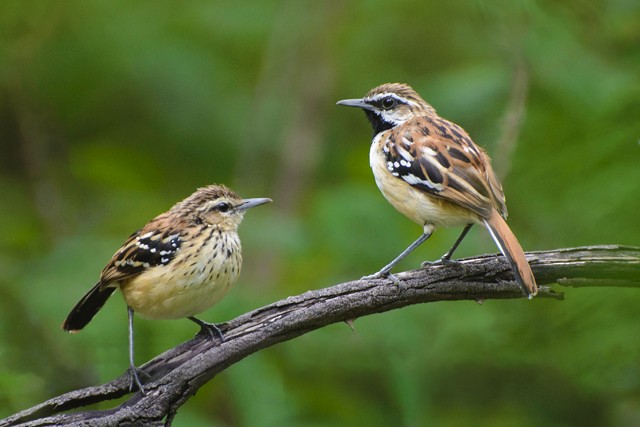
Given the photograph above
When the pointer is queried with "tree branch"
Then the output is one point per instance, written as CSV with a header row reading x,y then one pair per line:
x,y
178,373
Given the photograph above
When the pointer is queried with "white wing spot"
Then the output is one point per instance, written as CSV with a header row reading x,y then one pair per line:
x,y
404,154
429,151
413,180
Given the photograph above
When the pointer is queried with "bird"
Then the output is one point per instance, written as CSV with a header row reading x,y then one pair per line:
x,y
431,171
177,265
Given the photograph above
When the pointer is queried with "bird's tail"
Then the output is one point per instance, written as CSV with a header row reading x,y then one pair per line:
x,y
511,249
86,308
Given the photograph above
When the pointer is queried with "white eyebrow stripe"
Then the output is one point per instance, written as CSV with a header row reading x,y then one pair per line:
x,y
379,96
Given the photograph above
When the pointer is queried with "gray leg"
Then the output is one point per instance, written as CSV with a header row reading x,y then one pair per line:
x,y
428,230
135,379
447,256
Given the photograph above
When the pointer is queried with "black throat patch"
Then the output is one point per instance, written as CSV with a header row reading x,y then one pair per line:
x,y
377,123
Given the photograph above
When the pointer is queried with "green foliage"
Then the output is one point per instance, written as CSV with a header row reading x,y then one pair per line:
x,y
112,111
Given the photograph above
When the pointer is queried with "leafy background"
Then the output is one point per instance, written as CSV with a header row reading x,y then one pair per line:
x,y
110,111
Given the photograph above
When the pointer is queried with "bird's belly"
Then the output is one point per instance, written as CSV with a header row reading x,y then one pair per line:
x,y
416,204
186,289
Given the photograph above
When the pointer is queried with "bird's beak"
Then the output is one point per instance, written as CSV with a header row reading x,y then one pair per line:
x,y
249,203
359,103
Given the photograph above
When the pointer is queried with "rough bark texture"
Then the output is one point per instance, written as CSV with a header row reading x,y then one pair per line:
x,y
178,373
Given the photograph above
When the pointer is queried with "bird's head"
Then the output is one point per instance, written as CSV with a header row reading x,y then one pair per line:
x,y
216,205
390,105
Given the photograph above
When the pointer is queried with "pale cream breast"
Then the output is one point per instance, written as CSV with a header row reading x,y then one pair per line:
x,y
415,204
162,294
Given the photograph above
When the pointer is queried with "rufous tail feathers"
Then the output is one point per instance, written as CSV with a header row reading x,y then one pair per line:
x,y
511,249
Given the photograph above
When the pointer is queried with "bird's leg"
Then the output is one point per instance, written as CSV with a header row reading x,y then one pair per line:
x,y
135,378
447,256
209,328
428,230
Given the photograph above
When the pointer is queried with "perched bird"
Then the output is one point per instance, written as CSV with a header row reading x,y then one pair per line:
x,y
432,172
178,265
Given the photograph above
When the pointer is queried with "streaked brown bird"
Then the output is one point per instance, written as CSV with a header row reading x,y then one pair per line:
x,y
178,265
431,171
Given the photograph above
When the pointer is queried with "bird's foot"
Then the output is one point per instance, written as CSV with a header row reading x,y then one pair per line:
x,y
445,260
382,274
135,374
210,329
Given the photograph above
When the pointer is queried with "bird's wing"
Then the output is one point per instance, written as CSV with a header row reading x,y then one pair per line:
x,y
438,157
155,244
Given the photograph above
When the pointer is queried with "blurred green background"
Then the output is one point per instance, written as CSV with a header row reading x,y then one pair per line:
x,y
111,111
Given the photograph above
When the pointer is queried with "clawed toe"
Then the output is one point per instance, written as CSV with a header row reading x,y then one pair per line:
x,y
373,276
383,275
135,374
441,261
210,329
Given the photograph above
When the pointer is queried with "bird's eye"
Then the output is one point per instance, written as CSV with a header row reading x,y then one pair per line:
x,y
222,207
388,103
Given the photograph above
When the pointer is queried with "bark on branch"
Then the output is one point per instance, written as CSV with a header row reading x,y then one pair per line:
x,y
178,373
